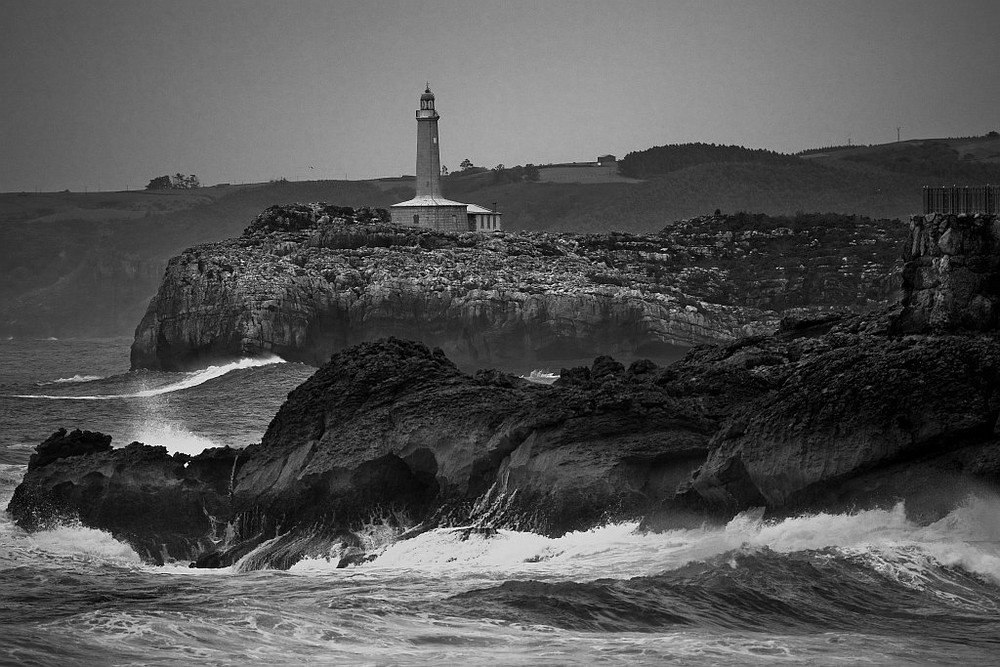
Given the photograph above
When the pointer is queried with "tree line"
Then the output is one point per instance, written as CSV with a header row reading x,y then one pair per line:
x,y
673,157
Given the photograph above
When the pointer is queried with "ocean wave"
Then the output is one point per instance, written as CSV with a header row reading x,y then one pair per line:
x,y
192,379
869,571
79,543
884,540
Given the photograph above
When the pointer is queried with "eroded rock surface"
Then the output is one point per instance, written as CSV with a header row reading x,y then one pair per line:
x,y
859,420
166,507
951,278
307,280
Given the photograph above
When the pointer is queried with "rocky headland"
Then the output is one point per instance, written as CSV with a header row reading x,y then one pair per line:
x,y
834,411
304,281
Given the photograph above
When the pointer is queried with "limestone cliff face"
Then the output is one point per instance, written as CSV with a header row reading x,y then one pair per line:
x,y
951,273
305,281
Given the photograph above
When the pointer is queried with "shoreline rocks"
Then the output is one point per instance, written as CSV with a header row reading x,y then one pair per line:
x,y
394,432
166,507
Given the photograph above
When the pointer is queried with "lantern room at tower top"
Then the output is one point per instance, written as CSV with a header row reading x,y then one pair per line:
x,y
429,208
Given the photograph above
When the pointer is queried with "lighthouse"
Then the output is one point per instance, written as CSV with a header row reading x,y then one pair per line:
x,y
429,208
428,151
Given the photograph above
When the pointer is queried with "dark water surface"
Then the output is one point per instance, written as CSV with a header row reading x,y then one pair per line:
x,y
870,587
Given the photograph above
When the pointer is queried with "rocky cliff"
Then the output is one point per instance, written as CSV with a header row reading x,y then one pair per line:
x,y
306,280
899,405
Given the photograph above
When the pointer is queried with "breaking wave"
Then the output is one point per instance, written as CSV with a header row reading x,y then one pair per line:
x,y
540,376
76,378
188,380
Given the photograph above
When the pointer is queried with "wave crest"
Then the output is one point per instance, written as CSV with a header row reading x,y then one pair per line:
x,y
192,379
76,378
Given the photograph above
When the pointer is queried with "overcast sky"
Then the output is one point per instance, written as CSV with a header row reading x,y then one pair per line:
x,y
110,94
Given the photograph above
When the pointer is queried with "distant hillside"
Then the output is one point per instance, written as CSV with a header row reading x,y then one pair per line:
x,y
74,264
778,188
961,161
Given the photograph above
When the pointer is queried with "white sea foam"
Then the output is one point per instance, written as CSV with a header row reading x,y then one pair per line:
x,y
175,437
192,379
76,378
541,376
80,543
968,537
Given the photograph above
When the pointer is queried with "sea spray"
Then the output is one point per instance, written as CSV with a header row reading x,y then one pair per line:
x,y
540,376
77,542
966,537
177,438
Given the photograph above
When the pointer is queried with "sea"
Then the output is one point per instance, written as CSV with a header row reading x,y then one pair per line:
x,y
870,587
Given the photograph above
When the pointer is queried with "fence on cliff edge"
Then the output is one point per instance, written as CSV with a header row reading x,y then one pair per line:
x,y
959,199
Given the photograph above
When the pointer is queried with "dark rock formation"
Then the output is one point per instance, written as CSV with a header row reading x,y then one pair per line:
x,y
164,506
857,420
307,280
61,445
393,432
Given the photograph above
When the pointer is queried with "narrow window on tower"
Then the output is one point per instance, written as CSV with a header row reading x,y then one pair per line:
x,y
416,219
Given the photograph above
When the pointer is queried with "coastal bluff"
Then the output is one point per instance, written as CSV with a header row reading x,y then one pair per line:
x,y
834,411
306,280
899,404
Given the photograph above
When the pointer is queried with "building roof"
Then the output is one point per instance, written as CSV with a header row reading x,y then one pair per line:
x,y
476,208
428,200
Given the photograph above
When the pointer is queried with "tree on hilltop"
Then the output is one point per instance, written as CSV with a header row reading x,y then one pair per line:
x,y
176,182
527,174
159,183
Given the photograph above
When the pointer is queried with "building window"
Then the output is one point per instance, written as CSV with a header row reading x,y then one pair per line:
x,y
416,219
